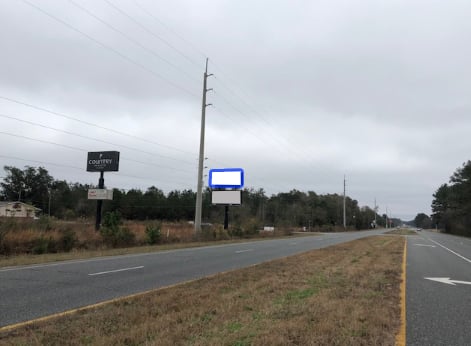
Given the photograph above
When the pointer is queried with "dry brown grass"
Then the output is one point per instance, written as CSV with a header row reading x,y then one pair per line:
x,y
19,244
402,231
342,295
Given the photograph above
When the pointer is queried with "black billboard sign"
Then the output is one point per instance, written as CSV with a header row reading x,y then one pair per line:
x,y
106,161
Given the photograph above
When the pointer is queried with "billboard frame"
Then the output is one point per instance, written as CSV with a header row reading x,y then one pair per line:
x,y
229,184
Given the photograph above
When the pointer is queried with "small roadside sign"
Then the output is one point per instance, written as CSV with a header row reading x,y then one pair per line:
x,y
226,197
100,194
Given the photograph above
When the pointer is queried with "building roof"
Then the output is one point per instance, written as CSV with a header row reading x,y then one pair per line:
x,y
5,203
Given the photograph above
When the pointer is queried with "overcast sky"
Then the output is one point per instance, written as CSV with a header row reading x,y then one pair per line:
x,y
304,92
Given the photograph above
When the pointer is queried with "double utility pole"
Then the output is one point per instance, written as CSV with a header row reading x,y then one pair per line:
x,y
199,191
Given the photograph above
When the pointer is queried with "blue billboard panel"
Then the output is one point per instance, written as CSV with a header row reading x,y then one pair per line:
x,y
226,178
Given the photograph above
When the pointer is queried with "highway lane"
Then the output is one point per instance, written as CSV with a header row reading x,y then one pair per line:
x,y
35,291
438,313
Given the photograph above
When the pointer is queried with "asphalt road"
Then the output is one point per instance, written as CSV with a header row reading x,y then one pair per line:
x,y
31,292
438,312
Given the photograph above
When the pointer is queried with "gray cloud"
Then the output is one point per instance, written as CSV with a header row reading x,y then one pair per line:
x,y
304,92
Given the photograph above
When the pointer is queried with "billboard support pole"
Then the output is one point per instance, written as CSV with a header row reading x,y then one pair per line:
x,y
226,217
99,203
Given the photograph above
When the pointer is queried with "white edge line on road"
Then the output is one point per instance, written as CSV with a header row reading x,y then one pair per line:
x,y
241,251
114,257
453,252
116,271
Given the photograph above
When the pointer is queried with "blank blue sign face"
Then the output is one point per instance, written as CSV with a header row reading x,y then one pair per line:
x,y
226,178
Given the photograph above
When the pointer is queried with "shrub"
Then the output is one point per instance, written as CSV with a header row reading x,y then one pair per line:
x,y
69,214
153,233
112,220
44,245
3,248
252,226
112,232
8,224
45,223
237,231
124,237
68,240
220,233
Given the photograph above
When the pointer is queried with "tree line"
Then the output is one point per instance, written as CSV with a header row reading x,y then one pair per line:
x,y
451,205
65,200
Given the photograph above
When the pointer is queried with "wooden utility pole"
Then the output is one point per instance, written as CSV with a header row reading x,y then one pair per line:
x,y
199,191
344,206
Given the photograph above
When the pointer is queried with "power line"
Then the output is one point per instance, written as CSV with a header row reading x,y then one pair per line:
x,y
270,127
296,152
126,57
152,33
41,162
147,12
95,125
248,117
42,141
178,182
150,51
160,22
92,138
81,169
103,45
122,133
81,149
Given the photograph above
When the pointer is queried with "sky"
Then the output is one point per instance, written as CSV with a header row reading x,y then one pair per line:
x,y
304,93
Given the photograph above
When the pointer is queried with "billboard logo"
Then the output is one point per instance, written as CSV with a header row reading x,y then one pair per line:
x,y
103,161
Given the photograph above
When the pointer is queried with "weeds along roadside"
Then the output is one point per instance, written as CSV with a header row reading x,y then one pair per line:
x,y
27,237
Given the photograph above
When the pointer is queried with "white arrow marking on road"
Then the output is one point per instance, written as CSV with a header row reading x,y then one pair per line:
x,y
427,245
116,271
240,251
449,282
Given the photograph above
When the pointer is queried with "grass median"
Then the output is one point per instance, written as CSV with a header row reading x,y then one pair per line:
x,y
346,294
402,231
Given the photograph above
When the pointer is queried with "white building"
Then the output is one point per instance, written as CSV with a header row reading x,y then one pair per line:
x,y
17,209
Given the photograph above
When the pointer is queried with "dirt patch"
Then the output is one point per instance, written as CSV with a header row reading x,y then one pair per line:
x,y
342,295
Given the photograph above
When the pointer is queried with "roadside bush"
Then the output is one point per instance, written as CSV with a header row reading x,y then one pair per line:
x,y
3,248
44,245
153,233
252,226
45,223
112,232
69,214
68,240
8,224
220,233
124,237
237,231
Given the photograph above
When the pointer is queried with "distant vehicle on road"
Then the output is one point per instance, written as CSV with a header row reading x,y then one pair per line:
x,y
418,229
